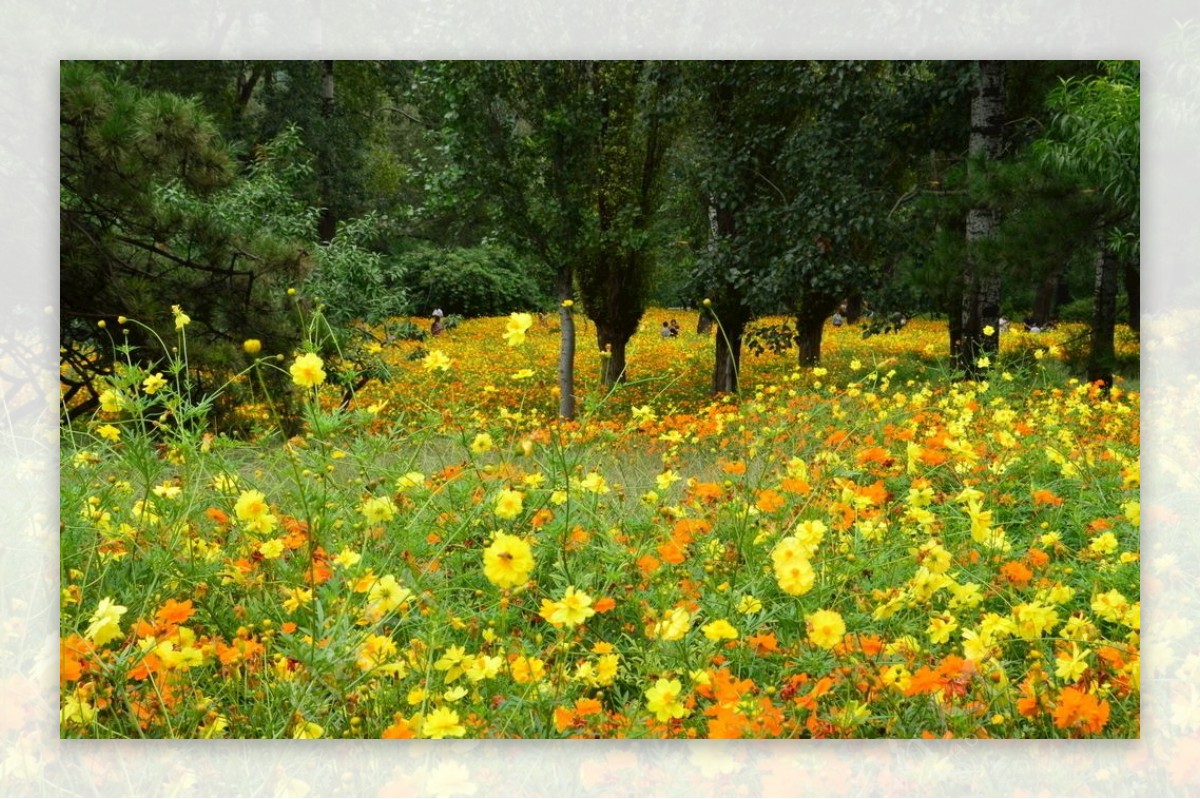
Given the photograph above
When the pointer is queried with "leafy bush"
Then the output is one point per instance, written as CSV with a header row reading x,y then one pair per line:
x,y
474,281
1078,311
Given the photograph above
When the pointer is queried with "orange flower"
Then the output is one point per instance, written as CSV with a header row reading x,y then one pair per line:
x,y
1043,496
707,492
604,604
1079,710
174,613
763,643
769,501
648,564
400,728
1017,573
795,485
1037,558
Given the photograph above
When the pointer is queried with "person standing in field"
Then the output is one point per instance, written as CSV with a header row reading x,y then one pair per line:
x,y
436,328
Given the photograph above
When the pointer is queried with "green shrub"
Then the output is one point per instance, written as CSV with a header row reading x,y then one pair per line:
x,y
474,281
1078,311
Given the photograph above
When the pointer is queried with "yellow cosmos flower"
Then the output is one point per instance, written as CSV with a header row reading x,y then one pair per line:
x,y
514,332
572,610
508,561
308,370
181,319
719,630
509,504
436,361
105,623
442,723
825,628
663,700
153,383
252,346
378,509
108,432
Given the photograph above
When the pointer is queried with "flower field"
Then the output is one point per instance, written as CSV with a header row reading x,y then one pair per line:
x,y
863,549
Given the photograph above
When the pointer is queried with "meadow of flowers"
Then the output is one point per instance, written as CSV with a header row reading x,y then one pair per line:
x,y
862,549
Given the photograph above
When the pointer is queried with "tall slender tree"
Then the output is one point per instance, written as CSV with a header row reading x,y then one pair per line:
x,y
981,285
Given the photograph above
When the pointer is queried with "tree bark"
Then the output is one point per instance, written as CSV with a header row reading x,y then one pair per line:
x,y
327,221
566,348
1045,302
612,367
1133,292
1104,319
981,284
728,357
809,329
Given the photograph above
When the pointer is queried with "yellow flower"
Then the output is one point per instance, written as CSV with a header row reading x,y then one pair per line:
x,y
988,330
1071,664
153,383
308,370
105,623
307,730
514,332
940,627
572,610
522,374
181,319
378,509
252,346
672,626
442,723
825,628
568,303
347,558
663,700
508,561
410,480
666,479
436,361
386,595
296,598
595,483
482,443
749,604
251,508
107,431
508,504
527,669
111,401
719,630
271,549
1104,544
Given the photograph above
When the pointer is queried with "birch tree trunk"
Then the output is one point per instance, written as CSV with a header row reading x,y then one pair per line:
x,y
981,281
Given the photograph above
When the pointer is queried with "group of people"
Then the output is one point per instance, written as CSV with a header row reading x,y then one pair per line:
x,y
669,329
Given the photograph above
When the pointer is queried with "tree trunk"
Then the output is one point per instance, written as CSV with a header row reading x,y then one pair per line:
x,y
566,348
704,322
854,309
612,367
1045,302
981,284
327,221
1133,291
1104,319
728,352
809,328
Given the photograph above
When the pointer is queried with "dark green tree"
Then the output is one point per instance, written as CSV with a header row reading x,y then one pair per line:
x,y
1095,138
